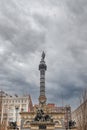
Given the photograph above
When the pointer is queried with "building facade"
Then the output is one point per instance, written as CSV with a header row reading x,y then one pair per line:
x,y
3,123
80,116
11,106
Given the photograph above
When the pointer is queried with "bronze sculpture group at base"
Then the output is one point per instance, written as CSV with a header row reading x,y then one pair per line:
x,y
41,116
42,121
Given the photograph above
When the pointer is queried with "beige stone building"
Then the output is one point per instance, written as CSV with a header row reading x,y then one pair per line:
x,y
80,116
11,106
3,123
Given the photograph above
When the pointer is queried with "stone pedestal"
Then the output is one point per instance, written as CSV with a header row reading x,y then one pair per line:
x,y
42,126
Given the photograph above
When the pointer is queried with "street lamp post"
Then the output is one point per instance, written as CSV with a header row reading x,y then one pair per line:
x,y
16,108
67,118
67,109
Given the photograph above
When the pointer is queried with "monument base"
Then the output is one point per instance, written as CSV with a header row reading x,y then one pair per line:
x,y
42,126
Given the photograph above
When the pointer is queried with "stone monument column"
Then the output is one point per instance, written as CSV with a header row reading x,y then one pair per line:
x,y
42,69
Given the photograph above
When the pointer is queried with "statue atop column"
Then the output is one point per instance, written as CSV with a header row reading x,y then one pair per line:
x,y
43,55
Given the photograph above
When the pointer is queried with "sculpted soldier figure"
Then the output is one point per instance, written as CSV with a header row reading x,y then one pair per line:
x,y
40,116
43,55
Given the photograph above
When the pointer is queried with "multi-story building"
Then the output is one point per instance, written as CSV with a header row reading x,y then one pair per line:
x,y
3,123
11,106
79,115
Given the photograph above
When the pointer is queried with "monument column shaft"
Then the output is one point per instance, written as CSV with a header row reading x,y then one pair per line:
x,y
42,69
42,82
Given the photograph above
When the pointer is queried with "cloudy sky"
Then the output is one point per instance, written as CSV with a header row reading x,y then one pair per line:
x,y
59,27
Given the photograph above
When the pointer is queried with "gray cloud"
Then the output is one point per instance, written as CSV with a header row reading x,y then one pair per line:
x,y
57,27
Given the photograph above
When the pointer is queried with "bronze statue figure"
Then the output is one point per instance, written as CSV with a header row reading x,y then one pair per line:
x,y
40,116
43,55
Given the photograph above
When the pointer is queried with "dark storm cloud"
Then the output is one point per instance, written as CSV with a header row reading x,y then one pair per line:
x,y
60,29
